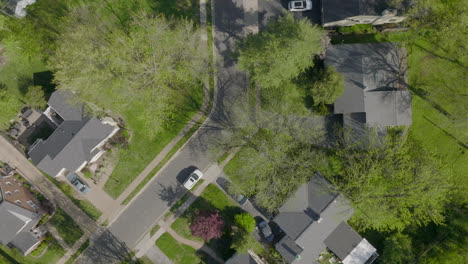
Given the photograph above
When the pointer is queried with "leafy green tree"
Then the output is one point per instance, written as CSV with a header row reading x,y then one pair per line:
x,y
397,249
282,51
276,157
155,66
245,221
9,106
327,87
394,185
243,241
35,97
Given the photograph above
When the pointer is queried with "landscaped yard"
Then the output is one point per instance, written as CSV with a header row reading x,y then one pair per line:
x,y
12,256
212,198
67,228
178,253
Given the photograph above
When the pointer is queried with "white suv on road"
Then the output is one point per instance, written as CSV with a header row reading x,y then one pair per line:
x,y
193,179
297,6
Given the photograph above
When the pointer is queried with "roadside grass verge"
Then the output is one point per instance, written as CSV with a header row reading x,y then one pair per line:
x,y
80,250
66,227
11,255
144,260
169,155
178,253
154,230
84,205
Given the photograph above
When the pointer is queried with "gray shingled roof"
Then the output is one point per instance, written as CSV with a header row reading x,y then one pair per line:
x,y
336,10
288,249
342,240
24,241
71,143
305,206
13,220
63,104
374,82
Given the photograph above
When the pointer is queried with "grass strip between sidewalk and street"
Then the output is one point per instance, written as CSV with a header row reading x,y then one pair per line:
x,y
169,155
66,227
80,250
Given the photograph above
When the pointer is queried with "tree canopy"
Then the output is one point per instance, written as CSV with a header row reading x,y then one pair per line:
x,y
282,51
156,65
394,185
328,86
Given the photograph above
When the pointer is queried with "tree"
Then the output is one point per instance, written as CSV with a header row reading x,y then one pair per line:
x,y
245,222
35,97
154,66
394,185
276,157
9,106
397,249
327,87
207,225
282,51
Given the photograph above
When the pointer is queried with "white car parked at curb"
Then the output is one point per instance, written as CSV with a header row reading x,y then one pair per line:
x,y
193,179
297,6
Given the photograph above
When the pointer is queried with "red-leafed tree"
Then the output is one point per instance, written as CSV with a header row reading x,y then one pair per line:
x,y
207,225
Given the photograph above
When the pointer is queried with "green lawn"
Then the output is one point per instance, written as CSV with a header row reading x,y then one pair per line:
x,y
12,256
178,253
212,198
15,76
67,228
80,250
169,155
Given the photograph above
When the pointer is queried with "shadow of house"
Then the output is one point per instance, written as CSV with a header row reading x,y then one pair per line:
x,y
308,218
375,80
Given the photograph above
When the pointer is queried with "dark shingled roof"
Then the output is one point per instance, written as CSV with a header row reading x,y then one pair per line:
x,y
343,240
305,206
288,249
71,143
374,83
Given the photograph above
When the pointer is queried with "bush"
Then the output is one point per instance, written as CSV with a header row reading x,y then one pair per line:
x,y
207,225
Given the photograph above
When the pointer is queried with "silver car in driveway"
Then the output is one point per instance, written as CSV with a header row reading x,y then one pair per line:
x,y
78,183
193,179
298,6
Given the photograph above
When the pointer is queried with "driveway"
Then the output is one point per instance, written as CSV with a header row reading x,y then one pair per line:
x,y
158,195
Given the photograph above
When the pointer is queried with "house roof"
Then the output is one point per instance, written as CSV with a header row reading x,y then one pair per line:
x,y
13,220
12,190
305,206
288,249
336,10
71,144
343,240
374,80
24,241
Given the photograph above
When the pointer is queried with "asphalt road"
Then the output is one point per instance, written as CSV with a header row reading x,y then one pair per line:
x,y
166,187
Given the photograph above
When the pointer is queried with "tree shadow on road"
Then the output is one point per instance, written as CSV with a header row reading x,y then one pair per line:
x,y
106,249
